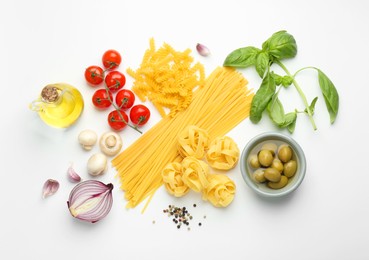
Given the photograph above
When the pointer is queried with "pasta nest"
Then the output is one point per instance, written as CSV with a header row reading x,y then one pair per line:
x,y
223,153
195,173
172,178
193,141
220,190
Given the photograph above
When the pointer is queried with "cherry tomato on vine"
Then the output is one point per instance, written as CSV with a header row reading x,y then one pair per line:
x,y
111,59
100,99
115,80
125,99
94,75
139,115
116,121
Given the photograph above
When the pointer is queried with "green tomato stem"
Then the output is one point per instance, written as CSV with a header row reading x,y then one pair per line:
x,y
299,90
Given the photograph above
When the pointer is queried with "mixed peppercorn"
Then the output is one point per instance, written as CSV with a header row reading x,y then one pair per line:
x,y
180,216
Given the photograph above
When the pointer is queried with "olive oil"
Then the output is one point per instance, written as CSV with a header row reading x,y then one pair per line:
x,y
59,105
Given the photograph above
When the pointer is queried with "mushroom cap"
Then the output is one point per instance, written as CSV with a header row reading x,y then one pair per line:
x,y
87,138
110,143
97,164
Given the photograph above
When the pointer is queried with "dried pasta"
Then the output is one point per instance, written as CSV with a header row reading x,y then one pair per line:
x,y
172,178
195,173
167,78
220,190
223,153
219,106
193,141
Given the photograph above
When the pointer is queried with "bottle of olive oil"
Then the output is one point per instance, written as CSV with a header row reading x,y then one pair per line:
x,y
59,105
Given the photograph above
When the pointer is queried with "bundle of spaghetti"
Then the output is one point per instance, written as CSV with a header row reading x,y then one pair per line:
x,y
221,104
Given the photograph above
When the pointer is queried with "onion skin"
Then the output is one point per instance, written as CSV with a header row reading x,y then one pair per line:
x,y
90,200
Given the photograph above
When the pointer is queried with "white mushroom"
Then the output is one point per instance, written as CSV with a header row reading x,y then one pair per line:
x,y
97,164
110,143
87,139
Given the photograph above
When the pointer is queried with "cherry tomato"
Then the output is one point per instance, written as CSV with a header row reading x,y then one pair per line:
x,y
111,59
100,99
115,80
94,75
139,115
115,120
125,99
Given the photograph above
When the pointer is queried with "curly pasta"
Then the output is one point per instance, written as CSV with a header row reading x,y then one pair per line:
x,y
223,153
163,75
195,173
193,141
172,178
220,191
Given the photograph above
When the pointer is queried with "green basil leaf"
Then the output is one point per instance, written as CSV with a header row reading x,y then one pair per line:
x,y
289,119
281,45
277,79
312,106
276,111
330,95
287,81
242,57
262,98
292,125
262,63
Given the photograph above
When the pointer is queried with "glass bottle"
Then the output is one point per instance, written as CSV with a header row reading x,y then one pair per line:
x,y
59,105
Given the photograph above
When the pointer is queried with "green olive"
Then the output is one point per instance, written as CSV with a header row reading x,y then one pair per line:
x,y
285,153
259,175
272,175
265,158
290,168
278,165
254,161
270,146
278,185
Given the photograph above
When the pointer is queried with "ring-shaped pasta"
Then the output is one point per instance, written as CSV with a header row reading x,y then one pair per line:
x,y
220,191
172,178
195,173
223,153
193,141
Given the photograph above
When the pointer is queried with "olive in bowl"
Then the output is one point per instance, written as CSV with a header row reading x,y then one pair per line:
x,y
273,164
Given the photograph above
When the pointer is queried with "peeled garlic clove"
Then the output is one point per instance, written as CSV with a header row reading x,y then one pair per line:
x,y
90,200
50,187
202,49
72,175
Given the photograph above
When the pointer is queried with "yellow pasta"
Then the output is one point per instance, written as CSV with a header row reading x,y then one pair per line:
x,y
195,173
219,106
172,178
223,153
220,190
193,141
167,78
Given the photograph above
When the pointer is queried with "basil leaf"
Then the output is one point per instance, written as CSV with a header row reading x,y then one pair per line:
x,y
277,79
287,81
242,57
312,106
281,45
293,117
262,98
276,111
330,95
261,63
289,118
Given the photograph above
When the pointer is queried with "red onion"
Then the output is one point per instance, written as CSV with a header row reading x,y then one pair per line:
x,y
90,200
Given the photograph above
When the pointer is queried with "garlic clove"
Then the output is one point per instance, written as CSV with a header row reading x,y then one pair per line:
x,y
202,49
72,175
50,187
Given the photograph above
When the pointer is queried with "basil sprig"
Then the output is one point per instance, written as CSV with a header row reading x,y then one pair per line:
x,y
281,45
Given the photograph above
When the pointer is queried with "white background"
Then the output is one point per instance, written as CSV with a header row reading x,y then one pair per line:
x,y
54,41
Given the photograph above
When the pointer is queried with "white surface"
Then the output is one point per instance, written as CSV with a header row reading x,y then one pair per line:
x,y
54,41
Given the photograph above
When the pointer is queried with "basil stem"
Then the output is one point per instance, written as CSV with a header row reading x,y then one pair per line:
x,y
299,90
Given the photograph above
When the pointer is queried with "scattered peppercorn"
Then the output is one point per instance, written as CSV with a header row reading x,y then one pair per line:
x,y
200,224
